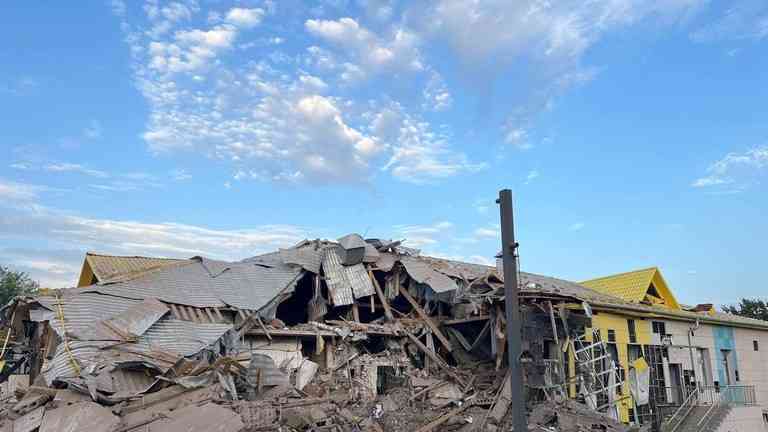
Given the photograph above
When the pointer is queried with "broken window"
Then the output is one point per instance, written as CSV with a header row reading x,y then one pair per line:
x,y
659,327
632,331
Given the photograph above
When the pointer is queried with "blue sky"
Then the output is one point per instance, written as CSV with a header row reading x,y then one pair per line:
x,y
632,133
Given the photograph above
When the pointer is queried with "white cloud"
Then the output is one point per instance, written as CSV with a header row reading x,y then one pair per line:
x,y
245,17
15,192
745,19
539,44
519,138
578,226
180,175
436,95
487,233
368,52
419,154
279,118
59,229
118,7
75,168
420,236
532,175
735,169
191,50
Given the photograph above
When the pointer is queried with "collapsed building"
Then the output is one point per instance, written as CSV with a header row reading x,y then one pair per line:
x,y
348,335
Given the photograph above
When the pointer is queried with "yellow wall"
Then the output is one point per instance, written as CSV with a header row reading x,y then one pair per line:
x,y
618,323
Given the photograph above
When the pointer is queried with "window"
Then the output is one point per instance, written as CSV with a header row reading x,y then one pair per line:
x,y
736,373
632,331
755,345
765,418
659,327
611,335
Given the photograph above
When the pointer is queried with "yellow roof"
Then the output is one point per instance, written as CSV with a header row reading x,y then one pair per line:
x,y
634,286
103,268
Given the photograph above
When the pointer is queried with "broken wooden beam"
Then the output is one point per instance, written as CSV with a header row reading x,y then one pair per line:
x,y
431,324
382,299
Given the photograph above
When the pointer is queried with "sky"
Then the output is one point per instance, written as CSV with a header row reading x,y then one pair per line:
x,y
633,133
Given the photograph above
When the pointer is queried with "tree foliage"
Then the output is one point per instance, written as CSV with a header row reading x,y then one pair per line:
x,y
750,308
15,283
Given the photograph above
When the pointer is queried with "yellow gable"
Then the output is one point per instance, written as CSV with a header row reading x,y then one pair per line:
x,y
640,286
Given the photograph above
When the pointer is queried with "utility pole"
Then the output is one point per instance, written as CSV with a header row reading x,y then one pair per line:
x,y
512,309
691,331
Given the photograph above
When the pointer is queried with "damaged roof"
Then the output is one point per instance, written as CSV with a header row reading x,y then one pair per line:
x,y
105,268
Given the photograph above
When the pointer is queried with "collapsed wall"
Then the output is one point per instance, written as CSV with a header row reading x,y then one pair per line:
x,y
339,336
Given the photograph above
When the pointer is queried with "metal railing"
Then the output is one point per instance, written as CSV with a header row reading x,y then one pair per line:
x,y
714,396
736,395
679,416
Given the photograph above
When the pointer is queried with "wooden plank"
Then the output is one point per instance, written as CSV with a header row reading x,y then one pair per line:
x,y
382,299
183,313
218,314
263,327
431,346
443,418
438,361
460,337
481,336
355,312
465,320
286,332
432,326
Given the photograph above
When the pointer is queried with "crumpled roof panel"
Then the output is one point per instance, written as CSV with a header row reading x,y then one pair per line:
x,y
422,272
338,286
110,267
82,312
208,283
180,337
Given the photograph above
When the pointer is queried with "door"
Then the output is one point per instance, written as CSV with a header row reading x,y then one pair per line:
x,y
727,366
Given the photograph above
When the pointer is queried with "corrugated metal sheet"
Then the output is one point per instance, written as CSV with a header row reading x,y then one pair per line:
x,y
421,271
189,284
338,285
129,382
458,269
270,375
359,280
208,283
309,257
110,267
60,366
371,254
386,261
135,320
181,337
251,286
83,311
269,259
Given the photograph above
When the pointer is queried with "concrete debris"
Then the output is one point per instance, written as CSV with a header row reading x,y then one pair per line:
x,y
348,336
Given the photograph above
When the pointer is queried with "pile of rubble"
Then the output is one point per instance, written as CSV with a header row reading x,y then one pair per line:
x,y
353,335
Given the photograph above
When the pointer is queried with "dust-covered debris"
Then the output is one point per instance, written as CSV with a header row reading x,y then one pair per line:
x,y
355,335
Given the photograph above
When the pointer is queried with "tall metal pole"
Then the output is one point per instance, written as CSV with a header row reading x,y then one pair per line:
x,y
693,362
512,309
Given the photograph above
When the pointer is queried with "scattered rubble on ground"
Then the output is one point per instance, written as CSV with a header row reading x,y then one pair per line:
x,y
355,335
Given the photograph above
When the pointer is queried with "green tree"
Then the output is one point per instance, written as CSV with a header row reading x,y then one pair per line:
x,y
750,308
14,283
